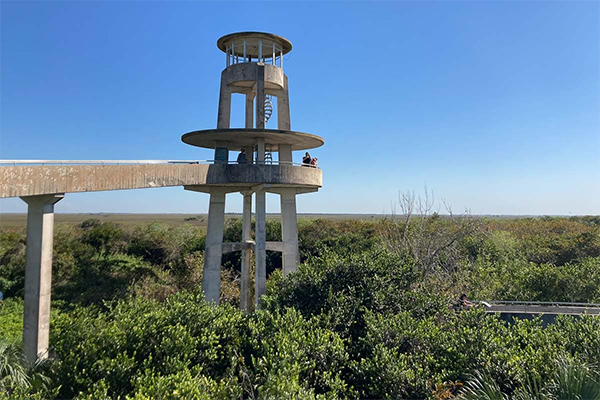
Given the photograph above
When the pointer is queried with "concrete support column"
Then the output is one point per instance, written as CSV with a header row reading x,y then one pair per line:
x,y
260,249
211,278
250,124
260,97
250,110
38,274
260,152
250,154
246,253
224,113
283,107
289,231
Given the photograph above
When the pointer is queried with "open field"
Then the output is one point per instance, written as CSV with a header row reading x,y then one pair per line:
x,y
17,221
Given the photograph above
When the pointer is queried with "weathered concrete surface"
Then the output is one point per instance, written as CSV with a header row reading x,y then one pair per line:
x,y
38,275
246,252
260,248
38,180
238,138
289,231
211,277
242,77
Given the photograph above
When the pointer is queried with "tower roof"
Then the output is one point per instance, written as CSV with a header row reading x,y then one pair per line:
x,y
252,42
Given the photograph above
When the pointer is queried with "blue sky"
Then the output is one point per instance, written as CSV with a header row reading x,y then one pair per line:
x,y
494,105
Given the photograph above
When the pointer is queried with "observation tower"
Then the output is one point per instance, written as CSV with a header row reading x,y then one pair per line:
x,y
254,68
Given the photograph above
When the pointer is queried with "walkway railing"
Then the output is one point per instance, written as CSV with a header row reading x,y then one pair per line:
x,y
537,303
138,162
98,162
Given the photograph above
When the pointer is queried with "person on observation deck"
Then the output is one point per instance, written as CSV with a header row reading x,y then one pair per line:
x,y
241,158
463,303
313,162
306,160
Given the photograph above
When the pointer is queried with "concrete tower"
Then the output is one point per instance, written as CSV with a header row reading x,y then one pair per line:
x,y
254,68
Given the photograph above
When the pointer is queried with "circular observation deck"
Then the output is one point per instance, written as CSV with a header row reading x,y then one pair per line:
x,y
247,47
237,139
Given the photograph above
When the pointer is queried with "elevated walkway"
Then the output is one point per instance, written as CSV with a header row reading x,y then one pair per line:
x,y
546,311
23,178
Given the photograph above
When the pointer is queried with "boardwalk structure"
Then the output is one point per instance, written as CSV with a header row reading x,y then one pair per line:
x,y
546,311
254,69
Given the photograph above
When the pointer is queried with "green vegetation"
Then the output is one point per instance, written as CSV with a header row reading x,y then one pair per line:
x,y
368,314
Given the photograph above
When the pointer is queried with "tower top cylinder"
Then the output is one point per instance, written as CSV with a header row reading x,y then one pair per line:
x,y
247,47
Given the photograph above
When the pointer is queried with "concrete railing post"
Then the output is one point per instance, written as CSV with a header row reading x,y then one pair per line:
x,y
38,274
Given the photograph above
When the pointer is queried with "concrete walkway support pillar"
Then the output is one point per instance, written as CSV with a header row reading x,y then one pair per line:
x,y
38,274
246,253
260,250
211,278
289,231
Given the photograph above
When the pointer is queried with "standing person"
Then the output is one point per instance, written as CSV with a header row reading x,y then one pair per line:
x,y
313,162
241,158
306,160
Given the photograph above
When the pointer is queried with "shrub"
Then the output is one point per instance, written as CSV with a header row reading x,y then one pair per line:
x,y
347,236
163,245
11,320
526,281
20,380
106,238
301,358
118,345
572,379
12,263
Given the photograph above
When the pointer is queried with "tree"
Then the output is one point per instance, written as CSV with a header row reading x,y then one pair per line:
x,y
431,239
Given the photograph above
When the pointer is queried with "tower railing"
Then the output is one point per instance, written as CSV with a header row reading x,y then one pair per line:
x,y
270,52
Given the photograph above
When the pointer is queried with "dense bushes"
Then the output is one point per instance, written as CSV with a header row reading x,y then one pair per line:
x,y
142,348
346,236
373,333
403,342
517,259
20,380
365,316
519,280
132,341
12,262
